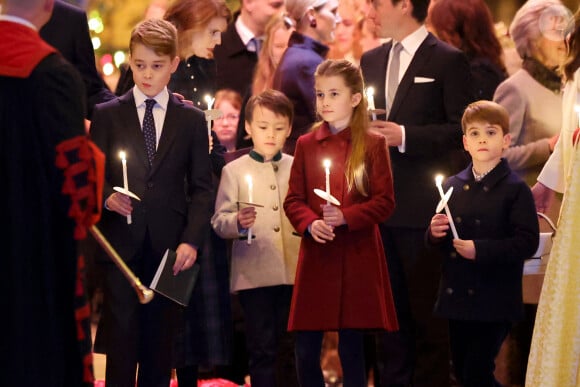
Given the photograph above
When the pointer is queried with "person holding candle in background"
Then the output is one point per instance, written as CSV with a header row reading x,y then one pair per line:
x,y
554,352
165,141
425,85
249,201
342,281
480,291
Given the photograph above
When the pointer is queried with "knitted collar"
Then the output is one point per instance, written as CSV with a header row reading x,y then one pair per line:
x,y
546,77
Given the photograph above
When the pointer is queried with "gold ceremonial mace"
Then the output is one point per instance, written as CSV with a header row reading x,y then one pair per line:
x,y
143,292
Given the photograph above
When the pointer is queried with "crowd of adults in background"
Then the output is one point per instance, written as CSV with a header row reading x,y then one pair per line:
x,y
426,60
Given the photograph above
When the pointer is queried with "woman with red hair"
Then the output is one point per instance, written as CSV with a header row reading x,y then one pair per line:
x,y
468,26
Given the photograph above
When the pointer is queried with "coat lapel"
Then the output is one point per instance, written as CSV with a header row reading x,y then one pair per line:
x,y
131,120
168,133
378,74
418,62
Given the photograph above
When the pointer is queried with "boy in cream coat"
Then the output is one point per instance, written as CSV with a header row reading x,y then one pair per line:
x,y
265,246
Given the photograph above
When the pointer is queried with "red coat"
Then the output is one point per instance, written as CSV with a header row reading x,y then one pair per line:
x,y
343,283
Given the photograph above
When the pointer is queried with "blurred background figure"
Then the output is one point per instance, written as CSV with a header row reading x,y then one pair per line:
x,y
238,55
278,31
308,46
555,352
229,102
468,26
533,98
276,38
348,32
199,26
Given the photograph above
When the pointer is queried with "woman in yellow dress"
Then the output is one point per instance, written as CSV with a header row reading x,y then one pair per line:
x,y
554,359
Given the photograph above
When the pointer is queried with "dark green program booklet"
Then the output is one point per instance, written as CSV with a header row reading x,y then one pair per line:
x,y
177,288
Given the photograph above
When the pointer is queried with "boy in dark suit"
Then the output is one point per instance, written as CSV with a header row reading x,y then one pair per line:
x,y
425,85
168,168
480,291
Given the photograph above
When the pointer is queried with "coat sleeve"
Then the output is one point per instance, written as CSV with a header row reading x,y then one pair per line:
x,y
518,155
200,186
523,242
225,219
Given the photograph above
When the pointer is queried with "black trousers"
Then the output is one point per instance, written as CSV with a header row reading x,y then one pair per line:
x,y
474,347
417,354
135,334
270,345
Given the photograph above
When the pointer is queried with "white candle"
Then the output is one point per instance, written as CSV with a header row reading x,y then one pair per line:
x,y
438,181
209,100
250,200
577,109
326,164
371,101
122,155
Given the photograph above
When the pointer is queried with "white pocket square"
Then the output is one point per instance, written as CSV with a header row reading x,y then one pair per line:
x,y
423,80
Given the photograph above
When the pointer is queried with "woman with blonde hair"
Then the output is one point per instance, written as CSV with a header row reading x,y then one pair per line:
x,y
276,38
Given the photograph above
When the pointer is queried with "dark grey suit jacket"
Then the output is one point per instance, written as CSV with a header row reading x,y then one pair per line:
x,y
429,103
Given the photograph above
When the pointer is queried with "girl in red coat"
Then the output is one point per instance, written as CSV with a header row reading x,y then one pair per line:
x,y
342,283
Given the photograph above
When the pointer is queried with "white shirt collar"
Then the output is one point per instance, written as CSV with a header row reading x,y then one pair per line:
x,y
243,31
18,20
412,41
162,98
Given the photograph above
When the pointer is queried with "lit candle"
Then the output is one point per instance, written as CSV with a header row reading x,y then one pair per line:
x,y
326,164
438,181
209,100
250,200
122,155
371,101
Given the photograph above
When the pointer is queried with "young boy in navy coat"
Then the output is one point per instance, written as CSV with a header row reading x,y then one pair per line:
x,y
168,167
481,281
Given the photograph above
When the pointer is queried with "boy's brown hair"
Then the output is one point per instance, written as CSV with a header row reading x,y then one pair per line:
x,y
486,111
156,34
272,100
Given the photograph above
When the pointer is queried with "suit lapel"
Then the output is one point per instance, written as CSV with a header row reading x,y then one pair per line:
x,y
168,133
418,62
377,75
131,121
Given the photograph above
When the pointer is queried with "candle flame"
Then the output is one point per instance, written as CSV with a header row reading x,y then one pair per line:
x,y
326,163
438,179
577,108
122,155
370,91
249,179
209,100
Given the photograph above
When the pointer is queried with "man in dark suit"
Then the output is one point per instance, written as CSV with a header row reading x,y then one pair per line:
x,y
425,85
168,167
68,31
237,56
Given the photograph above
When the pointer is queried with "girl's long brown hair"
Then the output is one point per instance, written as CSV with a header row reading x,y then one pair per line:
x,y
355,167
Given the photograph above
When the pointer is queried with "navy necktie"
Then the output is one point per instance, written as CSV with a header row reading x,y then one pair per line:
x,y
254,45
149,130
